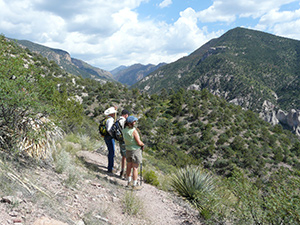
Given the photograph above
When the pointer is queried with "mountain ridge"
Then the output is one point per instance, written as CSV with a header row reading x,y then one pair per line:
x,y
65,61
131,74
253,69
238,56
250,159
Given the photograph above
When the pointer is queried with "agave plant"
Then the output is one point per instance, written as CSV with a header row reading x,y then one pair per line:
x,y
41,141
192,180
197,186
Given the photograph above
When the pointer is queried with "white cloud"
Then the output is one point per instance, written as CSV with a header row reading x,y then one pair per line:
x,y
149,42
134,41
288,29
165,3
282,23
108,34
229,10
274,17
185,34
215,13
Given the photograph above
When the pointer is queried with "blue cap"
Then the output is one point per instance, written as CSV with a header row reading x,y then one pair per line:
x,y
131,119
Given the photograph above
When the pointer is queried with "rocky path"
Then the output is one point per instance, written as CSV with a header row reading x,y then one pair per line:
x,y
159,207
95,199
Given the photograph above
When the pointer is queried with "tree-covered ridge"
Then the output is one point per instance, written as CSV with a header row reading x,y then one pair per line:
x,y
244,66
132,74
31,87
247,159
257,165
63,59
197,127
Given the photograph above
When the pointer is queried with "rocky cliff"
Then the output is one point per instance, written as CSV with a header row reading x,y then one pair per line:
x,y
289,120
66,62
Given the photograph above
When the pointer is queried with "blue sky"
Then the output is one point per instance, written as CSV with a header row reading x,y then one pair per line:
x,y
108,34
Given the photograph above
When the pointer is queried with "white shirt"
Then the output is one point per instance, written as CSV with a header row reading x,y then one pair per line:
x,y
109,122
122,121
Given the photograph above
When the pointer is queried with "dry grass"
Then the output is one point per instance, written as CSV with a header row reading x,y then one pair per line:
x,y
132,204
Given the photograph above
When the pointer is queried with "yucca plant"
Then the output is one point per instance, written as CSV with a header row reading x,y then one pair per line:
x,y
197,186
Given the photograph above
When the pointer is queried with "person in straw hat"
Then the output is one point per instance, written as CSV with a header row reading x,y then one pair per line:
x,y
109,141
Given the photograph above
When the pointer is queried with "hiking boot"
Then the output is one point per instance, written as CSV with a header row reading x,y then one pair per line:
x,y
129,184
137,188
111,171
122,173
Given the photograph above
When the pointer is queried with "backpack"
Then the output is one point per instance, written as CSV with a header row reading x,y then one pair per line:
x,y
102,127
116,131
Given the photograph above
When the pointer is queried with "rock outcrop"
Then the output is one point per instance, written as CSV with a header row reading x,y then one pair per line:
x,y
290,119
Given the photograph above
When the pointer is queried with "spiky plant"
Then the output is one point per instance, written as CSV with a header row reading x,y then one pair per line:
x,y
197,186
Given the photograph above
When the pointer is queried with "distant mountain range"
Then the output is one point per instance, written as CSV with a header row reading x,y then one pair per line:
x,y
64,60
132,74
124,74
253,69
256,70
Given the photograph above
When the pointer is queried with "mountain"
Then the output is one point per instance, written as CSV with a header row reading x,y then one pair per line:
x,y
256,70
251,169
117,70
64,60
132,74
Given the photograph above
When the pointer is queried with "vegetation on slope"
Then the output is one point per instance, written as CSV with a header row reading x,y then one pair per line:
x,y
248,160
63,59
243,65
29,91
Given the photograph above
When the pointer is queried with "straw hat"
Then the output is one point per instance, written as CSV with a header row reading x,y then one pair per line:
x,y
109,111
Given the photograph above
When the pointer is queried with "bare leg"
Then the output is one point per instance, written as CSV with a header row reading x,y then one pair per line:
x,y
123,163
128,169
135,171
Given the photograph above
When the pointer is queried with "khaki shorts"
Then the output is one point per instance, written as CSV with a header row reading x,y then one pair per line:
x,y
134,156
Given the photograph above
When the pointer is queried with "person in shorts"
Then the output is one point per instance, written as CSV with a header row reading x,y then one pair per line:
x,y
122,121
134,147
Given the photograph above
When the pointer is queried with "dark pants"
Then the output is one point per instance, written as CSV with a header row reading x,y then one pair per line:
x,y
110,143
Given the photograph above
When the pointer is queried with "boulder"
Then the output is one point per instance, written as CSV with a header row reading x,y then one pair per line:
x,y
281,116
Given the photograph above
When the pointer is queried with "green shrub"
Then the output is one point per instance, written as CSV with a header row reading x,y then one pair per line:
x,y
151,178
278,203
132,204
61,160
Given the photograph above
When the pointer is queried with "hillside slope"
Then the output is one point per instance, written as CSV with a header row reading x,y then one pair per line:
x,y
247,67
132,74
64,60
250,159
37,193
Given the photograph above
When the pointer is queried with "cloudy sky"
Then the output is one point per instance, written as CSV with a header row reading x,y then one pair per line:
x,y
110,33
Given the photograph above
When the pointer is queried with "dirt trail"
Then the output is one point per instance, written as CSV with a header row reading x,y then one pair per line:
x,y
96,199
159,207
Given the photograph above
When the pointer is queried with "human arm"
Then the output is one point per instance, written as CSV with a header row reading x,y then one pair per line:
x,y
136,137
109,124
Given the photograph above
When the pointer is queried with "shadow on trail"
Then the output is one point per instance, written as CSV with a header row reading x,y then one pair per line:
x,y
95,166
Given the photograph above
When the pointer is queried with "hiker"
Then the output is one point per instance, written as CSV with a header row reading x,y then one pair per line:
x,y
109,141
122,121
134,147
